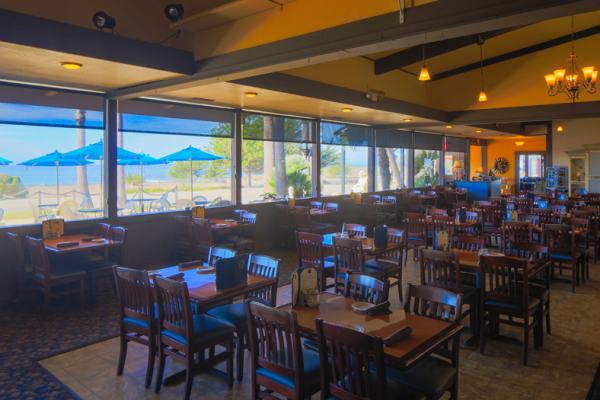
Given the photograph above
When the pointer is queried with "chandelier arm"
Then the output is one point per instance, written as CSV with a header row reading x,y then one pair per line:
x,y
553,92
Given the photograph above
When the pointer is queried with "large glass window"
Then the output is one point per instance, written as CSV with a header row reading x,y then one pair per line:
x,y
183,157
37,181
454,158
276,157
392,159
344,158
426,159
531,165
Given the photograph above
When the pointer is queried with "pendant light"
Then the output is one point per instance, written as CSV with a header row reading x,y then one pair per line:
x,y
482,95
424,76
560,127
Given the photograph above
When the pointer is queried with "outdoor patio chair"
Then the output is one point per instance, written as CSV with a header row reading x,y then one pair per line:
x,y
37,216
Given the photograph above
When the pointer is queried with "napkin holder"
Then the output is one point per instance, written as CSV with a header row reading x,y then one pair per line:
x,y
231,272
442,242
303,279
512,215
503,206
53,228
462,215
198,212
562,197
380,237
543,204
291,202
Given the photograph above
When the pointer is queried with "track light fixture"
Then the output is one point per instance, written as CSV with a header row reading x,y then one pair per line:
x,y
103,21
174,11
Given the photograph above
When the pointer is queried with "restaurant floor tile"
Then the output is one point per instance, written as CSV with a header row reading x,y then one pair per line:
x,y
563,369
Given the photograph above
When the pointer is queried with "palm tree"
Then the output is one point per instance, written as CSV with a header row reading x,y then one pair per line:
x,y
82,180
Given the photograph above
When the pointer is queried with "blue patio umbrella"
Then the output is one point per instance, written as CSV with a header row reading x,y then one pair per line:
x,y
95,151
191,154
143,159
55,159
4,161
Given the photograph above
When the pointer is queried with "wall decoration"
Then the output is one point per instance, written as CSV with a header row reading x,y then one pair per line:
x,y
501,165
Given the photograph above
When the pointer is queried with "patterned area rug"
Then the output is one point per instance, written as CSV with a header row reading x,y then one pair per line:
x,y
25,337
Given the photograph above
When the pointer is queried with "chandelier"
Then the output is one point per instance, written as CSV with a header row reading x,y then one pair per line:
x,y
569,81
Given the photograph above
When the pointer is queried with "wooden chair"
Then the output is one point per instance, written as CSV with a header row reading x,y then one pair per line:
x,y
375,196
534,218
560,240
593,236
359,370
436,211
46,279
502,293
467,242
303,220
182,335
441,269
453,201
366,288
137,316
330,221
524,205
279,363
101,272
495,201
457,206
371,215
415,227
388,211
539,286
515,231
581,241
557,208
316,204
415,203
244,239
545,216
218,253
475,230
204,239
439,304
348,257
481,203
310,254
442,222
390,262
235,314
492,217
284,226
22,269
184,238
355,229
239,212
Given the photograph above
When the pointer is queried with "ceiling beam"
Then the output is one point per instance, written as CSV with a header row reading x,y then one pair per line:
x,y
27,30
413,55
513,129
517,53
294,85
430,22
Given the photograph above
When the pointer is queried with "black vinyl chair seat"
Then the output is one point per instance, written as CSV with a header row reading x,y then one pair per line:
x,y
386,267
58,272
312,371
206,329
534,302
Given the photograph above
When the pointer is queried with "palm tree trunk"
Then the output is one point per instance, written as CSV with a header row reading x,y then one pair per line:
x,y
121,184
394,167
82,181
281,185
384,168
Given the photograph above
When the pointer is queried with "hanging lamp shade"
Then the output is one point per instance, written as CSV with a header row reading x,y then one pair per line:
x,y
424,75
482,96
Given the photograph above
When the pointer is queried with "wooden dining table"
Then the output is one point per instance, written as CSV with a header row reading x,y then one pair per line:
x,y
51,244
368,245
226,224
427,333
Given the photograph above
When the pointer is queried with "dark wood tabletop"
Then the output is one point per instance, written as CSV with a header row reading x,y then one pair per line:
x,y
469,261
368,245
221,224
202,287
427,333
51,244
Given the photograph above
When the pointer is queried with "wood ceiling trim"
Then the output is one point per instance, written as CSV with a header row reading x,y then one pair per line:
x,y
27,30
413,55
517,53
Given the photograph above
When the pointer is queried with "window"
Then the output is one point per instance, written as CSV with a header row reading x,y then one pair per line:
x,y
37,122
392,158
531,165
276,157
154,130
344,158
426,159
456,148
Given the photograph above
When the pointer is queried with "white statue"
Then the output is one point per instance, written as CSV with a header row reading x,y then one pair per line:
x,y
361,185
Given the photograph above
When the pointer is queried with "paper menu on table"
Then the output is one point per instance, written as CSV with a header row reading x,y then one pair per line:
x,y
53,228
198,212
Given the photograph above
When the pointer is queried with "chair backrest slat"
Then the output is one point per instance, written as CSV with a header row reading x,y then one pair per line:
x,y
309,247
355,229
134,293
504,279
16,253
39,257
265,267
440,269
303,218
367,288
174,306
203,235
467,242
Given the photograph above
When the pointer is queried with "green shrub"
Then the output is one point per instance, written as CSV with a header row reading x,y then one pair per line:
x,y
10,185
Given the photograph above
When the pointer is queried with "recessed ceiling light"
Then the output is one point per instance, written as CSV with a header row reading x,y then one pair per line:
x,y
346,109
478,131
448,126
71,65
251,94
407,119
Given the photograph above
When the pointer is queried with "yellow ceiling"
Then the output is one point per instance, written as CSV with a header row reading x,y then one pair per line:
x,y
232,95
29,64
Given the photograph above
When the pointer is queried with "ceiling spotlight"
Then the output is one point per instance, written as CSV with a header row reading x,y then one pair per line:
x,y
103,21
251,94
448,126
407,119
174,11
478,131
71,65
346,109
